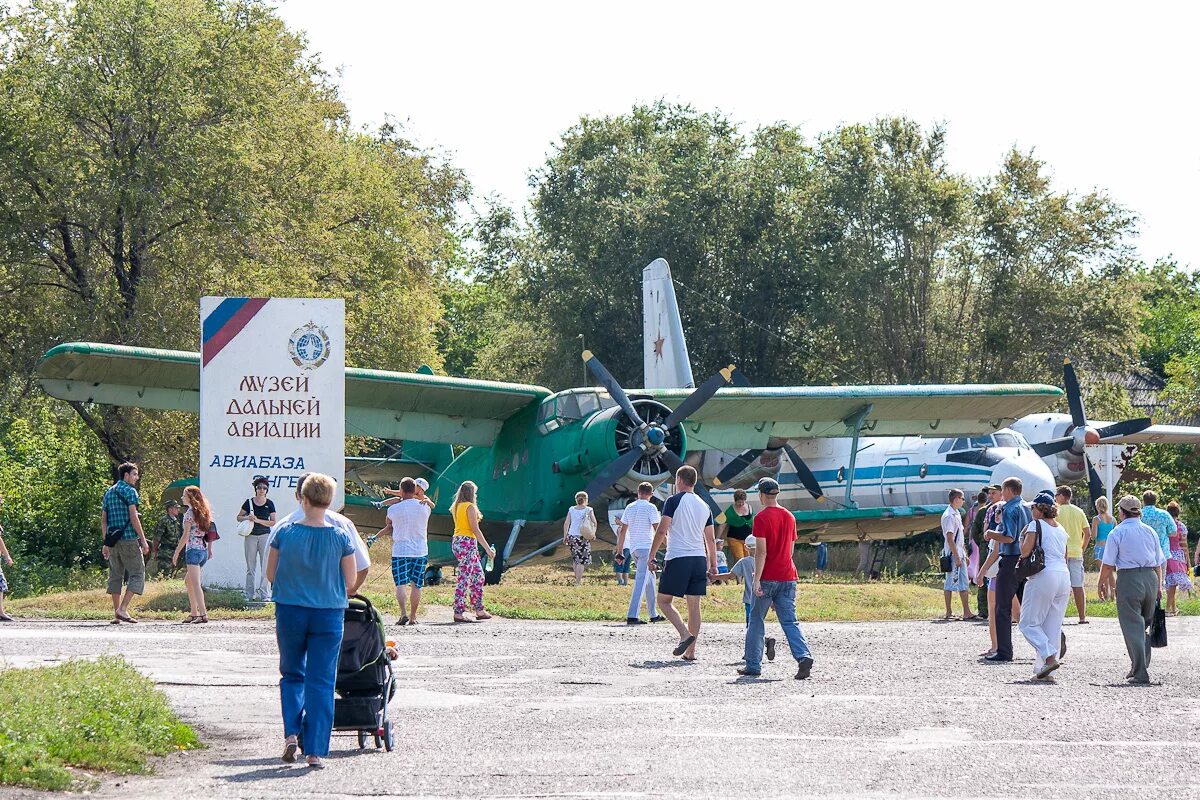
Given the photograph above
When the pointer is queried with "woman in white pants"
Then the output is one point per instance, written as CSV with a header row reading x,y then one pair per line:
x,y
256,546
1046,593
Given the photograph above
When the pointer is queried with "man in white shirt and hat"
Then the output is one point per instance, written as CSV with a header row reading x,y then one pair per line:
x,y
1131,572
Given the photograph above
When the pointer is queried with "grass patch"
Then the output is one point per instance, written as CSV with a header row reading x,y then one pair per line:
x,y
96,715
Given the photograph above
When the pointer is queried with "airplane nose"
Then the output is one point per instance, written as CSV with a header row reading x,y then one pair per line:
x,y
1035,476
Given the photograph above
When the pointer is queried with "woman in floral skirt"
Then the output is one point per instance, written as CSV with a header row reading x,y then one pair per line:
x,y
1177,560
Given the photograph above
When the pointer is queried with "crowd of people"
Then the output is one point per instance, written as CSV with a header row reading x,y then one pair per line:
x,y
1035,568
310,562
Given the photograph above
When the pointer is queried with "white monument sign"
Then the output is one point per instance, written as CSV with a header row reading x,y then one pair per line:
x,y
272,403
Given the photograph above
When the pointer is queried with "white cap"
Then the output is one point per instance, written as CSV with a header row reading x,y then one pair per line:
x,y
424,484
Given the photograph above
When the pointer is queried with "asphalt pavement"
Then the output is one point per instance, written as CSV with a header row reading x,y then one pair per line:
x,y
511,708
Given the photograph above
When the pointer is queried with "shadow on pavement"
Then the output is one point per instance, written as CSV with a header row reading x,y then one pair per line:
x,y
661,664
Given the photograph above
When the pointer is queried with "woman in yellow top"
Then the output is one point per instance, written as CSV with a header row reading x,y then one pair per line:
x,y
465,547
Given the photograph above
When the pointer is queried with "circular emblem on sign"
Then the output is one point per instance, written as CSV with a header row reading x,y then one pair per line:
x,y
309,346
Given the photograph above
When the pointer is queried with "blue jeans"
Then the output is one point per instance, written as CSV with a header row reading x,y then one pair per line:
x,y
783,595
310,644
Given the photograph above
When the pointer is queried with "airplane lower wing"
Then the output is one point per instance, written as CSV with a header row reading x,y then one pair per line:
x,y
875,524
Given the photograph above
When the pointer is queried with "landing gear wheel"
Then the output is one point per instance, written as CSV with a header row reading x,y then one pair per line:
x,y
388,740
362,740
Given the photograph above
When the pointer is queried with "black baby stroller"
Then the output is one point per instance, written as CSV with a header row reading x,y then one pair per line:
x,y
365,681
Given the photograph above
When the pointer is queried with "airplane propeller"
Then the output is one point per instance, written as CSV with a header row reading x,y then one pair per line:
x,y
1084,434
649,438
734,468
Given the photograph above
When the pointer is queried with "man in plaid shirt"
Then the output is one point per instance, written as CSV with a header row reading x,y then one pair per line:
x,y
126,558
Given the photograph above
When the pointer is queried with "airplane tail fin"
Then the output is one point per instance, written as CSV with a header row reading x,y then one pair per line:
x,y
665,355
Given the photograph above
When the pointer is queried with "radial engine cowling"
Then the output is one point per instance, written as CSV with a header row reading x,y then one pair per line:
x,y
610,434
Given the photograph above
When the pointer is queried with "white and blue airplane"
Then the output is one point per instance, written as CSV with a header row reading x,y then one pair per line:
x,y
863,486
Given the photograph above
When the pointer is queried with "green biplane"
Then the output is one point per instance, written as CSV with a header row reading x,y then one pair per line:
x,y
530,449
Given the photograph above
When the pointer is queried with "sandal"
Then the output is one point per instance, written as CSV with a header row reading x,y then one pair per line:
x,y
290,745
191,618
482,615
971,618
201,620
464,619
127,618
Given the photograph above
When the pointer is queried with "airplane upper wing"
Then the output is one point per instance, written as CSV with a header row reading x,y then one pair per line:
x,y
389,405
747,417
1168,434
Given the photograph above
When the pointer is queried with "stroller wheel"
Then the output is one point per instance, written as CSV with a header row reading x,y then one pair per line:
x,y
362,740
378,740
388,740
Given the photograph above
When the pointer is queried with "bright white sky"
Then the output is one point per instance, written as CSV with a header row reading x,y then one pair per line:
x,y
1106,94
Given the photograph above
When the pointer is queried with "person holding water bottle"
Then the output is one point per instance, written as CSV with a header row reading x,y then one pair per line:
x,y
465,546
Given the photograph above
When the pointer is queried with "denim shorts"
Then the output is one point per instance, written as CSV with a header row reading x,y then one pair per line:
x,y
195,558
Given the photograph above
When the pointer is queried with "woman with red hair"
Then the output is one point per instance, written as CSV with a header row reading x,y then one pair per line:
x,y
199,533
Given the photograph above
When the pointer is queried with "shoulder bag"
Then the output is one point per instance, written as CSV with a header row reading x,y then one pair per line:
x,y
1035,562
246,526
588,526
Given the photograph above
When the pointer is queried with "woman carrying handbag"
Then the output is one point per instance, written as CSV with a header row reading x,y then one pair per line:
x,y
1048,588
579,529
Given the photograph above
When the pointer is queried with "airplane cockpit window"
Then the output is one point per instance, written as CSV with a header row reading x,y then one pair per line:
x,y
982,441
1014,440
567,407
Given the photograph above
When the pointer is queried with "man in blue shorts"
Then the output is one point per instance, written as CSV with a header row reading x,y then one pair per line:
x,y
691,557
408,521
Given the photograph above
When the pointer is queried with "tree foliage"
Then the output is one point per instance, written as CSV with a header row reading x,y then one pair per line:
x,y
154,152
860,256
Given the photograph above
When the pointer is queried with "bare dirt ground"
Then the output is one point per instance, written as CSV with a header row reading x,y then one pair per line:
x,y
556,709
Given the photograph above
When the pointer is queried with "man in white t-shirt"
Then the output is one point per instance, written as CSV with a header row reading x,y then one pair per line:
x,y
691,559
362,556
955,546
636,532
408,521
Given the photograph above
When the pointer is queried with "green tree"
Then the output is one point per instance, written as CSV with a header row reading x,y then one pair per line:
x,y
154,152
52,474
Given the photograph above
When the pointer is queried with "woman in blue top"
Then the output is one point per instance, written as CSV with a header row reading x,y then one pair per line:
x,y
310,565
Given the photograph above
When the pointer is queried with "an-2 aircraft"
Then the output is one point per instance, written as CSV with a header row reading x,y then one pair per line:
x,y
530,449
894,486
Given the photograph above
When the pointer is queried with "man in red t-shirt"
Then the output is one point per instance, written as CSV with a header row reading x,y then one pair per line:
x,y
774,582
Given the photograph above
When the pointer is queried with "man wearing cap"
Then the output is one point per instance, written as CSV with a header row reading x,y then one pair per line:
x,y
774,582
164,537
1134,554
